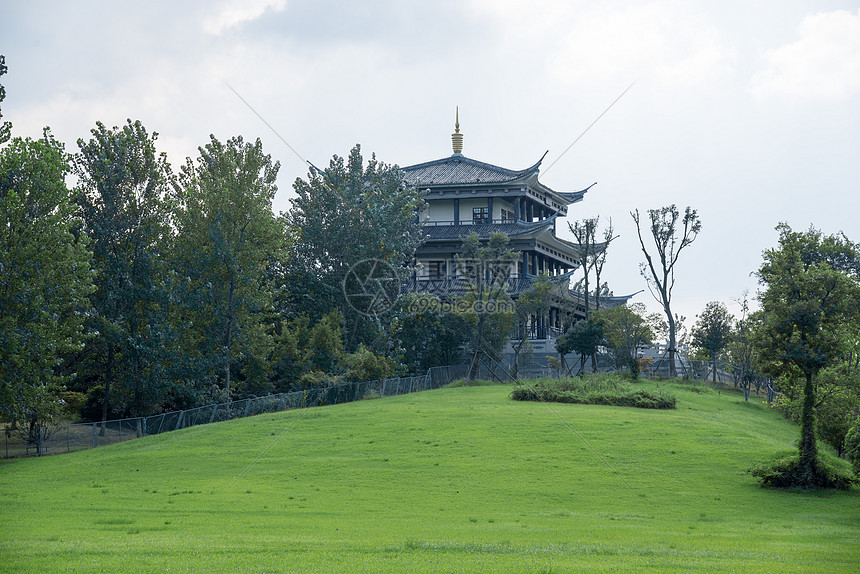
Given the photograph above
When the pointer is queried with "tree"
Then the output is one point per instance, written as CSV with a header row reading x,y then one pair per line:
x,y
585,338
810,288
487,306
428,333
349,213
742,351
602,289
533,303
591,256
45,279
123,193
228,241
712,332
661,278
627,329
5,127
837,391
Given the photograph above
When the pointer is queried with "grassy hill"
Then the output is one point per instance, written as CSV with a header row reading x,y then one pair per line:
x,y
453,480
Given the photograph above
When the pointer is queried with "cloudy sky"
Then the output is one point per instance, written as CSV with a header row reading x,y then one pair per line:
x,y
747,111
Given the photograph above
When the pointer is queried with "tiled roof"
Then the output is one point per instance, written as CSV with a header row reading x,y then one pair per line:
x,y
461,170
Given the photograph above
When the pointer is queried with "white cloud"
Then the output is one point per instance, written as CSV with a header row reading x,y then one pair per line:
x,y
582,41
823,64
238,12
658,39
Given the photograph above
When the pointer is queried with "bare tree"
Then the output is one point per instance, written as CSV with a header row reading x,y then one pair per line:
x,y
591,256
599,262
661,277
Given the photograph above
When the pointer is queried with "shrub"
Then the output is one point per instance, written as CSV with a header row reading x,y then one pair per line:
x,y
609,390
785,472
365,365
313,379
852,446
466,383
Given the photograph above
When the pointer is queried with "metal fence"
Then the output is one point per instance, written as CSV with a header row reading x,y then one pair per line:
x,y
68,438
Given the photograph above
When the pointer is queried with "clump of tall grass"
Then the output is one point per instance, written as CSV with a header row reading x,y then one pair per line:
x,y
611,390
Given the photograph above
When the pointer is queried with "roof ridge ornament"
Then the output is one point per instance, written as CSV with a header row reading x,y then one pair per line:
x,y
457,137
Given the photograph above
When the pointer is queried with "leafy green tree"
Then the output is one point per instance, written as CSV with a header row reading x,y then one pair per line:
x,y
584,338
665,225
45,279
487,307
712,332
852,446
837,392
742,351
300,348
531,304
627,329
365,365
349,213
228,242
427,332
810,290
123,193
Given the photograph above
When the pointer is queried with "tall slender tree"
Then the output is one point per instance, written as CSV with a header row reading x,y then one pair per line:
x,y
671,234
353,211
602,289
712,332
45,279
486,266
123,189
810,289
228,241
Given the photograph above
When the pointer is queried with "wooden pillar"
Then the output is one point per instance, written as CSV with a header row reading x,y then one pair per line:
x,y
456,212
490,208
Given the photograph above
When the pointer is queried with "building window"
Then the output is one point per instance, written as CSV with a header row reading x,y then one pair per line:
x,y
507,216
436,269
480,215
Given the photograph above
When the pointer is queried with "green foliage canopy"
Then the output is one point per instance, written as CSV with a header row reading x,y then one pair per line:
x,y
45,278
811,285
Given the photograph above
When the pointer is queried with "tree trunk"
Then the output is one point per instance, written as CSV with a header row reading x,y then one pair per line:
x,y
475,367
672,343
807,447
228,338
714,367
108,380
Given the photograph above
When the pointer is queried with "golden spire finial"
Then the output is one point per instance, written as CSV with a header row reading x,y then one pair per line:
x,y
457,137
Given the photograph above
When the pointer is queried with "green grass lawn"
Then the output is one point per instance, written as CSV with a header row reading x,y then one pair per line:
x,y
453,480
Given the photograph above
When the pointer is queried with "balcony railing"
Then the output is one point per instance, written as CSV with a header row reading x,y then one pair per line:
x,y
539,332
473,222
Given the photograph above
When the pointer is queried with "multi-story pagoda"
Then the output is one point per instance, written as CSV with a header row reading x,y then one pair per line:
x,y
463,196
